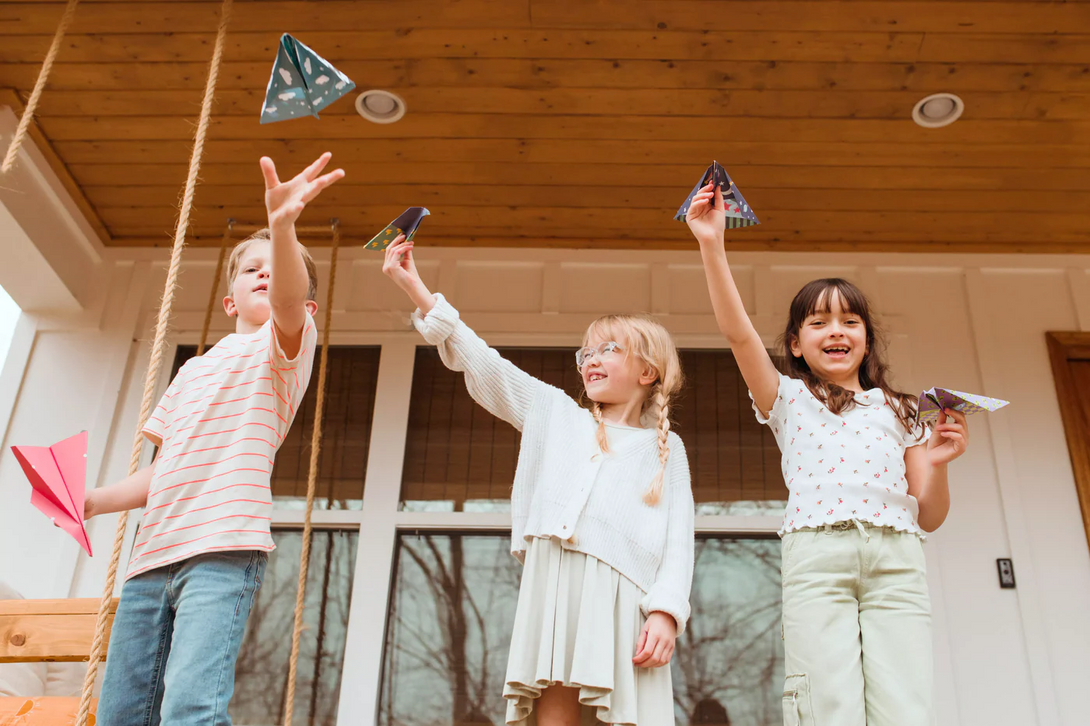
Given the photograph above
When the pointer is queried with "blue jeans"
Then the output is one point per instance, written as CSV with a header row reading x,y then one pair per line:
x,y
175,640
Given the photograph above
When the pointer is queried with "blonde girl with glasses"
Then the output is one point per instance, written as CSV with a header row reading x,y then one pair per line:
x,y
602,515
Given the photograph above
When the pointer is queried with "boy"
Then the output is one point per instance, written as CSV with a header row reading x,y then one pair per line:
x,y
200,553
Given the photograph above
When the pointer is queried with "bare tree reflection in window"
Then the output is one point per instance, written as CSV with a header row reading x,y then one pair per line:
x,y
262,669
452,610
451,618
728,666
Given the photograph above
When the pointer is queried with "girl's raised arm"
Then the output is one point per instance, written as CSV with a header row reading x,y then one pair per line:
x,y
497,384
707,220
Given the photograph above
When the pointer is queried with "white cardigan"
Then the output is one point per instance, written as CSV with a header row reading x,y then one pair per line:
x,y
565,487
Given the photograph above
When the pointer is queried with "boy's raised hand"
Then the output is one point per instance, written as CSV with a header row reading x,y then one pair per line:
x,y
285,201
707,216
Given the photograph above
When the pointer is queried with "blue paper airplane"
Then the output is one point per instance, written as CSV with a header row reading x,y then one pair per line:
x,y
301,83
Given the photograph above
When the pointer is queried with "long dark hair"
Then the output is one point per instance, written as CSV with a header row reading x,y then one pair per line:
x,y
817,297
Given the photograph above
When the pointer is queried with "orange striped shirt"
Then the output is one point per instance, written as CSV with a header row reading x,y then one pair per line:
x,y
221,422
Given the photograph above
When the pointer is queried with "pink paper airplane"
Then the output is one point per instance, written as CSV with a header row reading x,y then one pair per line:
x,y
58,474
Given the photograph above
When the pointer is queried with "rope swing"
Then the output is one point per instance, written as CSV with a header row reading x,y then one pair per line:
x,y
39,86
158,346
312,479
215,286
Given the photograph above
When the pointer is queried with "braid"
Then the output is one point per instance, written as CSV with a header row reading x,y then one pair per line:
x,y
654,491
603,442
650,343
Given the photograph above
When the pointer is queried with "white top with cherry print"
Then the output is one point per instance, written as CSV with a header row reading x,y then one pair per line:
x,y
842,468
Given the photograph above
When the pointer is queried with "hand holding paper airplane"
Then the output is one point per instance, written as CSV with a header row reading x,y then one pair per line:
x,y
934,400
737,210
407,224
58,475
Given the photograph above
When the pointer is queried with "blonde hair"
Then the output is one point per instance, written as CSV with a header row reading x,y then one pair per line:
x,y
265,235
645,338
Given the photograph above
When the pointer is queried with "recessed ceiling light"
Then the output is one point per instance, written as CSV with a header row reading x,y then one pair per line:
x,y
938,109
380,107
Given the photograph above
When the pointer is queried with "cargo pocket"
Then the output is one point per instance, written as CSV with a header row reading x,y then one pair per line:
x,y
796,701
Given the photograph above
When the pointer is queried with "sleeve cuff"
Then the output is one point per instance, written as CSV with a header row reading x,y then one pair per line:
x,y
518,541
661,603
307,341
918,436
439,323
777,405
151,433
155,425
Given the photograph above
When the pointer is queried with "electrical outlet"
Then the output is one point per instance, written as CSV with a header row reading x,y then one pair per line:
x,y
1006,573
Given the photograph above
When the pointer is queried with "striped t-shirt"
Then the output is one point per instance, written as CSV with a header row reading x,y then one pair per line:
x,y
221,422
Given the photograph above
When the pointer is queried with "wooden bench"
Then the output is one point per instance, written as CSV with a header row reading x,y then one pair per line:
x,y
44,711
33,631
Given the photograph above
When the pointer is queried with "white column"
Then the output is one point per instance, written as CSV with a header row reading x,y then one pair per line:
x,y
13,368
363,656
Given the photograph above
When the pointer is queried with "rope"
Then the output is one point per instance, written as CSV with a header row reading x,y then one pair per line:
x,y
312,481
39,86
158,350
215,286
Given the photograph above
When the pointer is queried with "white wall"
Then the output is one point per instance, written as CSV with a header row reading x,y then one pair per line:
x,y
9,317
971,323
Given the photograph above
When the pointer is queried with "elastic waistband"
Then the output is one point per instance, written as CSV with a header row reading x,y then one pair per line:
x,y
848,524
858,525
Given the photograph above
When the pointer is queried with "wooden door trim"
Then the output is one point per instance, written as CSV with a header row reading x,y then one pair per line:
x,y
1063,348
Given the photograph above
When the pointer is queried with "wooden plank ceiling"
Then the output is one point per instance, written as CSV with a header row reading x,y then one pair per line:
x,y
584,123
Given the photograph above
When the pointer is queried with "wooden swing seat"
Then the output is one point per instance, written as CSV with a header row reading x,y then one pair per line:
x,y
44,711
33,631
36,631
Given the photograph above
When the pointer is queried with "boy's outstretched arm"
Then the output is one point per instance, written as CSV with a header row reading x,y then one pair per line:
x,y
129,493
288,284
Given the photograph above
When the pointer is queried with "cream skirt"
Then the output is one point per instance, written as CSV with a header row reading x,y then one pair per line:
x,y
577,624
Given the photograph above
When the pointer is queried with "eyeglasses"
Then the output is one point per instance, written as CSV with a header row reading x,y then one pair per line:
x,y
601,351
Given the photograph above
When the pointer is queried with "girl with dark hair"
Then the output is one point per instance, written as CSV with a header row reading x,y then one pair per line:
x,y
864,483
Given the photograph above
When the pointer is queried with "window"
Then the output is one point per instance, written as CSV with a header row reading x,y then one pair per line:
x,y
262,670
453,605
450,618
734,460
351,382
458,457
728,664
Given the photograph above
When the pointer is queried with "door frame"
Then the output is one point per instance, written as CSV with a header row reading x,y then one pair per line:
x,y
1064,347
